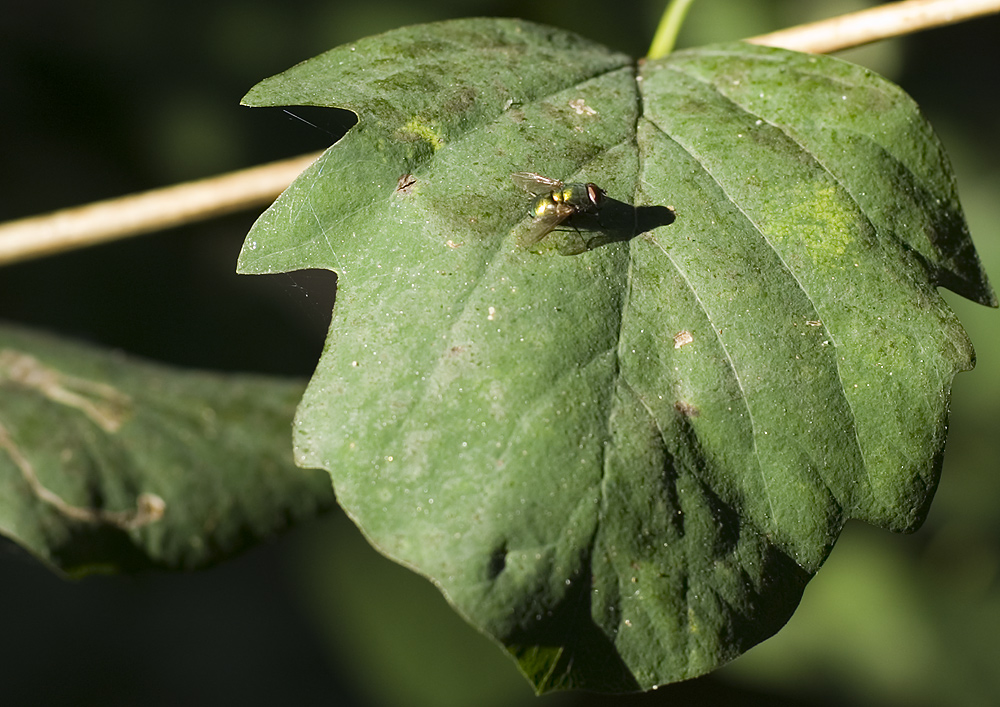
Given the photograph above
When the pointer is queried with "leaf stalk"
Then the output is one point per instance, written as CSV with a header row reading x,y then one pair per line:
x,y
670,25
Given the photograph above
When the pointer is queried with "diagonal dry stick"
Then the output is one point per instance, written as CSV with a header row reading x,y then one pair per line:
x,y
148,211
883,22
194,201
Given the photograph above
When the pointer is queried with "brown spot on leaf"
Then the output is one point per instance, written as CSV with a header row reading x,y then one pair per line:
x,y
686,409
405,184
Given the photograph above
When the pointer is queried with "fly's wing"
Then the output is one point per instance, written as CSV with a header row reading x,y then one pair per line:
x,y
536,184
546,223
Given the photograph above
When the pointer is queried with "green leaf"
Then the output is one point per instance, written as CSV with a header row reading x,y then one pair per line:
x,y
108,463
626,464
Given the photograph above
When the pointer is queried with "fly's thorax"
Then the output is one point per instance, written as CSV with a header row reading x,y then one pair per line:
x,y
582,197
565,195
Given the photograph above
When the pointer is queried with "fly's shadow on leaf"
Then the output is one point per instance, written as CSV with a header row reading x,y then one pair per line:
x,y
616,222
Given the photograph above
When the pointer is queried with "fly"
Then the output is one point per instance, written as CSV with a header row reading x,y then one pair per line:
x,y
556,202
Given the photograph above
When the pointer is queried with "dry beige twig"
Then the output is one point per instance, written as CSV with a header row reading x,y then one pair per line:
x,y
867,26
146,212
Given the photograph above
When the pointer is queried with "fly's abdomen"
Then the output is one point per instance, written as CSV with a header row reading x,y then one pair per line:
x,y
544,206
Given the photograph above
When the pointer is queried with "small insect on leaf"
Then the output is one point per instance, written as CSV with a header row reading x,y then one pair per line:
x,y
556,202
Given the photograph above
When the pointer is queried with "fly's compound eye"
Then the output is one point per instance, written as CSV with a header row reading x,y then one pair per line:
x,y
595,194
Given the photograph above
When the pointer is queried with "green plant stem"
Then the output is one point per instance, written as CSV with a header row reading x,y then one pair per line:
x,y
670,25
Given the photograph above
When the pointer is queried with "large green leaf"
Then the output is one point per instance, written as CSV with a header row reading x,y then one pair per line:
x,y
111,463
623,464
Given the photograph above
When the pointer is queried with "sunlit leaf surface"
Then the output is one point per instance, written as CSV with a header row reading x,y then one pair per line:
x,y
624,451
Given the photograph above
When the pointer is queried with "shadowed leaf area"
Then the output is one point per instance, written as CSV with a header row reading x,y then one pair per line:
x,y
624,450
108,463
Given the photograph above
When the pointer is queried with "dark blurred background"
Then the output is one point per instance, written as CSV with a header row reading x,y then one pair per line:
x,y
110,97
